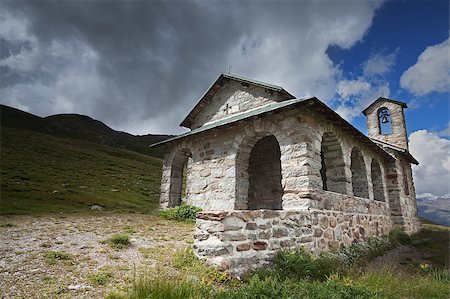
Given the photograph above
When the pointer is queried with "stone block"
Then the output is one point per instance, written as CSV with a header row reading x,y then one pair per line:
x,y
251,226
287,243
259,245
279,232
306,239
244,247
323,222
318,232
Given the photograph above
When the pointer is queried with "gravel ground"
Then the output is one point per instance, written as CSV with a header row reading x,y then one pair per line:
x,y
92,269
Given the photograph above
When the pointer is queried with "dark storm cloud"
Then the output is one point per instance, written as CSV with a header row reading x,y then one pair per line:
x,y
134,64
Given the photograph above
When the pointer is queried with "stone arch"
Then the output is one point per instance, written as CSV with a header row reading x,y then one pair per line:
x,y
250,149
178,177
377,181
332,169
264,170
359,174
384,121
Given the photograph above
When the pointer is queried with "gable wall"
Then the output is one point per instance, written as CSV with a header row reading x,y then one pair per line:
x,y
233,98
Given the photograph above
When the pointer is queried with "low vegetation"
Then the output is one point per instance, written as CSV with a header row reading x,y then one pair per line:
x,y
46,174
298,274
100,277
181,213
119,241
53,257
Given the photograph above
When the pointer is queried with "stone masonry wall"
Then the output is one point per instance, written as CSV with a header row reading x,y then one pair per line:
x,y
233,98
239,241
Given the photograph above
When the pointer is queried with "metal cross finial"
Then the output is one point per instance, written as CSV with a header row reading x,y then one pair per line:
x,y
228,67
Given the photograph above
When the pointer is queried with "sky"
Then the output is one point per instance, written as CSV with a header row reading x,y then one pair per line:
x,y
140,66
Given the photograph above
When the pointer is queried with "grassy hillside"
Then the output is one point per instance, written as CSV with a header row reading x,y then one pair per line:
x,y
43,174
80,127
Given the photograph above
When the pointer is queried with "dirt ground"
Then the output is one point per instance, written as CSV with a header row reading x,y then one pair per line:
x,y
64,256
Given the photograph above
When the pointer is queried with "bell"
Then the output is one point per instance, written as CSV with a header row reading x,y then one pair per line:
x,y
384,119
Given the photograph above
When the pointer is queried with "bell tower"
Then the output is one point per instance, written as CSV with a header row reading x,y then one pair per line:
x,y
386,122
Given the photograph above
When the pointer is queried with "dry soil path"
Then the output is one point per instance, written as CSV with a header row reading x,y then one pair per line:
x,y
89,268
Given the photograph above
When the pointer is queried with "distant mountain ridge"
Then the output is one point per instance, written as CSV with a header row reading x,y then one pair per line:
x,y
80,127
436,209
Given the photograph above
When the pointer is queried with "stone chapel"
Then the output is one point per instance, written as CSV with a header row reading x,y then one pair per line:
x,y
272,171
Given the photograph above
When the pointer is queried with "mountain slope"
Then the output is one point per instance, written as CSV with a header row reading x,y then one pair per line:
x,y
79,127
436,209
42,174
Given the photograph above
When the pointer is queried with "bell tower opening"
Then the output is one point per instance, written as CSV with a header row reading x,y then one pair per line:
x,y
384,121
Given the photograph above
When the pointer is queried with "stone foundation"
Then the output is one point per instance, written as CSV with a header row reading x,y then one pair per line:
x,y
239,241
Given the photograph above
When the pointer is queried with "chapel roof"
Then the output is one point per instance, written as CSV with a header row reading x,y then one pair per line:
x,y
398,149
313,104
224,78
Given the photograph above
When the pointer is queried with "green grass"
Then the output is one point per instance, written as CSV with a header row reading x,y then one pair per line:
x,y
119,241
45,174
53,257
100,277
298,274
433,241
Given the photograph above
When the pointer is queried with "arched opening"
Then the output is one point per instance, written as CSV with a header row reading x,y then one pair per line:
x,y
377,181
264,170
333,166
178,178
384,121
359,175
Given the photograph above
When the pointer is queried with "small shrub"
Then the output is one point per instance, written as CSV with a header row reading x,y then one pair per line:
x,y
119,241
183,212
54,256
100,278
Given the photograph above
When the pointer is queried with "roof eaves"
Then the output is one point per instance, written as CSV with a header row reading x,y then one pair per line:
x,y
397,149
233,119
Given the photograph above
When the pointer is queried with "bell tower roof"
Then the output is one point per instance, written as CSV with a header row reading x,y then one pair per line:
x,y
381,99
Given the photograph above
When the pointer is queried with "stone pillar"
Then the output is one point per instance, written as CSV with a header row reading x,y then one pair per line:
x,y
165,182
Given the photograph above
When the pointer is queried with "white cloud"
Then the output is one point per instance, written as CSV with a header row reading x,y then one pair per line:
x,y
379,64
431,71
347,88
356,95
432,175
445,132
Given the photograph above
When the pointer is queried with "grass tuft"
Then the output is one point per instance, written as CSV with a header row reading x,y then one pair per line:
x,y
119,241
55,256
100,278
